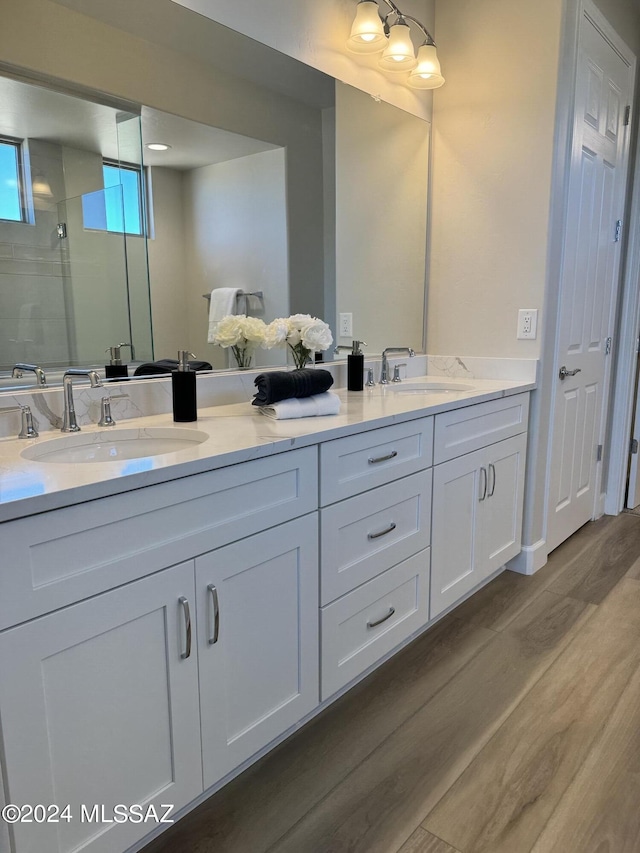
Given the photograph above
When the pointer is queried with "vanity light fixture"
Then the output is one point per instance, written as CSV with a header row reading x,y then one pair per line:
x,y
372,32
157,146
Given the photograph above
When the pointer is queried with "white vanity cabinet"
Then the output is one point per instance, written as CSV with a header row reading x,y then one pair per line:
x,y
257,641
99,705
152,642
477,496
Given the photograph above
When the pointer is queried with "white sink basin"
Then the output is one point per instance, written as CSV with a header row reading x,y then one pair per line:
x,y
428,387
114,445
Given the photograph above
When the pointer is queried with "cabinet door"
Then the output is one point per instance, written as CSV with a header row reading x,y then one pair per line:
x,y
502,524
100,707
456,553
257,641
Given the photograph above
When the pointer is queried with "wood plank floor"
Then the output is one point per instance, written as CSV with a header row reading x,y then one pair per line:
x,y
513,725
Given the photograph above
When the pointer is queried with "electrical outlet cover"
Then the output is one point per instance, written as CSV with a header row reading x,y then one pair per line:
x,y
527,323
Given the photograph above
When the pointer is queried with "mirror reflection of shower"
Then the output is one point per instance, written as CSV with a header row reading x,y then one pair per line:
x,y
70,269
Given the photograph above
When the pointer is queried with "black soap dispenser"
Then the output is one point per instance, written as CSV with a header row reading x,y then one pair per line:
x,y
183,387
116,369
355,367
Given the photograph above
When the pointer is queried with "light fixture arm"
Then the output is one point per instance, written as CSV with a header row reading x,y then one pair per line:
x,y
403,17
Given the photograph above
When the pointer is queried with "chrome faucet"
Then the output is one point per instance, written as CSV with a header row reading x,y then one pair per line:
x,y
384,371
41,379
69,422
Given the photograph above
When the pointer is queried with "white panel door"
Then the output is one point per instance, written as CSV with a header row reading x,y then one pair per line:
x,y
589,281
99,707
257,640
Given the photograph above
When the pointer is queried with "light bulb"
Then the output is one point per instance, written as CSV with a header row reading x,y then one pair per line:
x,y
398,55
426,74
367,32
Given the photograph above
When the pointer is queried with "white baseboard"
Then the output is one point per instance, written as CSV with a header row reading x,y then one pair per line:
x,y
530,560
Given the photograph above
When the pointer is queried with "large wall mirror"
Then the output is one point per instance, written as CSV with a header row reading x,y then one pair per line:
x,y
321,209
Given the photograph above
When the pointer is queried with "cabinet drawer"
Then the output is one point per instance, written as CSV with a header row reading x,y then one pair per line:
x,y
361,462
398,601
464,430
55,558
367,534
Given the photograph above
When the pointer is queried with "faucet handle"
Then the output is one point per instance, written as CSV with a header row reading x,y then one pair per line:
x,y
370,381
27,426
28,429
396,371
105,413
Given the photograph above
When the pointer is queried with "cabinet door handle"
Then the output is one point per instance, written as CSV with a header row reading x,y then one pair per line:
x,y
187,623
392,610
215,610
374,459
492,475
483,483
384,532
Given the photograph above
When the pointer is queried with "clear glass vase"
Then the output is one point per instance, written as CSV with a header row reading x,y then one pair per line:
x,y
302,357
243,357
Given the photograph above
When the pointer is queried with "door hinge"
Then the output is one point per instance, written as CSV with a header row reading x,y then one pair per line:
x,y
634,445
627,115
599,454
607,346
61,230
618,233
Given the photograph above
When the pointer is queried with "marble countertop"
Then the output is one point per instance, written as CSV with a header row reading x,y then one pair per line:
x,y
236,433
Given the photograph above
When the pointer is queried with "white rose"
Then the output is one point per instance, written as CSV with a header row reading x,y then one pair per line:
x,y
229,330
317,335
295,324
254,330
275,334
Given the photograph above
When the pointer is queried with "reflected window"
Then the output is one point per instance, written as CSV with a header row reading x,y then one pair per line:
x,y
118,208
11,190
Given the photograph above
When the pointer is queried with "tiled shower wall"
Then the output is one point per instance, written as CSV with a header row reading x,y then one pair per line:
x,y
35,323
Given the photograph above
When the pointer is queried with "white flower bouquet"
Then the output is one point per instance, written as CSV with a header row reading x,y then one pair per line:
x,y
303,334
243,334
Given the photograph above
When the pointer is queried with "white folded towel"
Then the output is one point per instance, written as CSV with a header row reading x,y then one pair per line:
x,y
303,407
222,303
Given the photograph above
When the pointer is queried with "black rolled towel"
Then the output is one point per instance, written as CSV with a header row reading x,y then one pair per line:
x,y
284,384
167,365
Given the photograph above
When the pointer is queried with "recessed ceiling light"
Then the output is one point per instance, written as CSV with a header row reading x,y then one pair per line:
x,y
157,146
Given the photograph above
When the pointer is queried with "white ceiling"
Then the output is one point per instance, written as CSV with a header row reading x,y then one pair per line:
x,y
32,112
193,144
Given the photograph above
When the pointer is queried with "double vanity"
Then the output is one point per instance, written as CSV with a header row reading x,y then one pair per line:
x,y
169,612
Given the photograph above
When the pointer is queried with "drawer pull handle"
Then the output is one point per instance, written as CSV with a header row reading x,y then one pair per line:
x,y
392,610
384,532
374,459
492,474
215,609
483,483
187,622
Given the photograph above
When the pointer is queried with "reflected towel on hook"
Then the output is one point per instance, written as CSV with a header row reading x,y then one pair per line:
x,y
303,407
224,301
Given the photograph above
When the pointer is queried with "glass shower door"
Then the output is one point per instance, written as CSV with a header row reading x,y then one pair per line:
x,y
95,276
